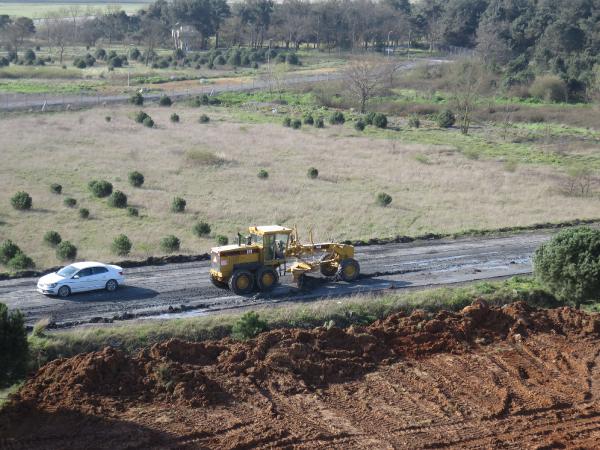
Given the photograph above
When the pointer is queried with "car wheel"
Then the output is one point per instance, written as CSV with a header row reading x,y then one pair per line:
x,y
64,291
111,285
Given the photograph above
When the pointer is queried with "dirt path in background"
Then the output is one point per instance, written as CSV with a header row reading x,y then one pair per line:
x,y
500,377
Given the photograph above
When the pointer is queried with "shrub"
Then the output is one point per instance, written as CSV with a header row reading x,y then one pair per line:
x,y
100,54
21,201
4,62
359,125
100,188
135,54
70,202
133,212
296,124
84,213
170,244
201,229
136,179
263,174
174,117
287,121
107,119
29,56
369,118
165,101
319,122
121,245
569,264
79,63
312,173
222,240
14,350
337,118
414,122
20,262
178,205
140,116
383,199
8,250
380,120
204,119
549,88
248,326
52,238
308,119
220,60
117,199
65,251
137,99
445,119
148,122
292,59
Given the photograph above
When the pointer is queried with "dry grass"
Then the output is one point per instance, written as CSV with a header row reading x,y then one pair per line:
x,y
449,194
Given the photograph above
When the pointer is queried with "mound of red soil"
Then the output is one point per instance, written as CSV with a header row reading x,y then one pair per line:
x,y
411,376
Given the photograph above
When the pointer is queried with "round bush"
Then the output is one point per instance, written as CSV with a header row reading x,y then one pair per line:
x,y
14,354
174,118
292,59
337,118
70,202
117,199
312,173
178,205
56,188
380,120
222,240
52,238
148,122
84,213
204,119
100,188
445,119
107,119
369,118
319,122
383,199
263,174
140,116
201,229
170,244
296,124
359,125
21,201
8,250
135,54
133,212
308,119
414,122
165,101
20,262
550,88
220,60
29,55
65,251
100,53
121,245
287,122
137,99
136,179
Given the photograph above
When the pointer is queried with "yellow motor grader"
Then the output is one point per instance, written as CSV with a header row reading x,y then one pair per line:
x,y
257,260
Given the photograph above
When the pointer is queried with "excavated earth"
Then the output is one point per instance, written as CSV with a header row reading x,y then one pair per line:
x,y
483,378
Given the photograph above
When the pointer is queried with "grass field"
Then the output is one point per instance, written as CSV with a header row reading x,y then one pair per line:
x,y
36,10
437,182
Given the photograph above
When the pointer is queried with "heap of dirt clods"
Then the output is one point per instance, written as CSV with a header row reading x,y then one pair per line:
x,y
294,360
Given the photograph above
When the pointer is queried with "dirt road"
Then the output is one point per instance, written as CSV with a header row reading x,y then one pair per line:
x,y
512,377
185,289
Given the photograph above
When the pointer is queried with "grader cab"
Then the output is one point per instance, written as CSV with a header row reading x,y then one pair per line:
x,y
258,259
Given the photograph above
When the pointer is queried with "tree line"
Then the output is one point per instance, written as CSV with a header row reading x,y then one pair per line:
x,y
523,37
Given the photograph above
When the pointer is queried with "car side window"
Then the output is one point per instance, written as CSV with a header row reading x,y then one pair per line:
x,y
99,270
85,272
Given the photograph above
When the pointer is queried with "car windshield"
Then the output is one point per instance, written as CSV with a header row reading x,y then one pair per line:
x,y
67,271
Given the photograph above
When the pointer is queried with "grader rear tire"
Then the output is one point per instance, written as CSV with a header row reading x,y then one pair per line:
x,y
266,279
349,270
241,282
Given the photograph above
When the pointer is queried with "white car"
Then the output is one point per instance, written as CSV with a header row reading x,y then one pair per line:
x,y
81,277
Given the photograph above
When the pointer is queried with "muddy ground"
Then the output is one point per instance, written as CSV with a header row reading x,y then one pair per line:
x,y
486,377
173,290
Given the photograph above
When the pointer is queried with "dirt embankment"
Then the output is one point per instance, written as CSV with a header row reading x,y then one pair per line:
x,y
485,377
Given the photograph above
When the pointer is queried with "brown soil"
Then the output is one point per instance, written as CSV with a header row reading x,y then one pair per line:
x,y
486,377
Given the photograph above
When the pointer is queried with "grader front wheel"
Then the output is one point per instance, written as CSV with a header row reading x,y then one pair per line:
x,y
241,282
328,269
349,270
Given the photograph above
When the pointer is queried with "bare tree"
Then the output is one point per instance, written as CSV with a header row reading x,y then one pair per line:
x,y
59,33
466,84
364,79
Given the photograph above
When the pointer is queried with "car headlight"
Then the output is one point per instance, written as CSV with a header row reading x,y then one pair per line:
x,y
52,285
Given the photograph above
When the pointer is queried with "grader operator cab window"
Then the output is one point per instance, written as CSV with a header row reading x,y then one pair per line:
x,y
274,246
